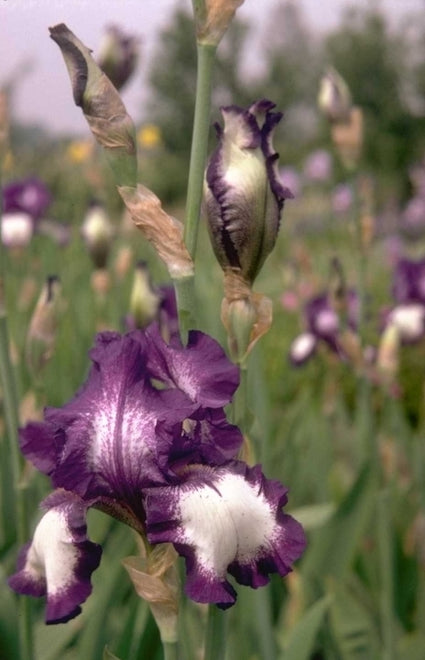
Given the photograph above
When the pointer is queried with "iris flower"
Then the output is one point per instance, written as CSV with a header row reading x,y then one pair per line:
x,y
146,440
409,281
29,196
323,325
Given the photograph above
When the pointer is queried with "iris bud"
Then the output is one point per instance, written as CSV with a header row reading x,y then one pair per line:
x,y
102,106
388,353
334,97
97,232
243,196
118,54
144,301
43,326
212,18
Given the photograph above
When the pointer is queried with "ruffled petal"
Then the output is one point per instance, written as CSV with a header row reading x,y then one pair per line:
x,y
201,370
59,561
225,519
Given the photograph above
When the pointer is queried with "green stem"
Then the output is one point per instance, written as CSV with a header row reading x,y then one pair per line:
x,y
215,638
198,155
185,294
240,401
12,423
387,571
263,623
170,650
185,288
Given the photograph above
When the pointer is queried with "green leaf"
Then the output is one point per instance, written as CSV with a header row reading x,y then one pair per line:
x,y
352,625
313,516
333,546
303,636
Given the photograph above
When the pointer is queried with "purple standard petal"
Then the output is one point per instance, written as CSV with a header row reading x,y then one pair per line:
x,y
101,444
28,196
225,519
209,440
201,369
60,559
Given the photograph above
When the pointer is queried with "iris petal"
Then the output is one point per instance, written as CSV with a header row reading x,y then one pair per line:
x,y
60,559
225,519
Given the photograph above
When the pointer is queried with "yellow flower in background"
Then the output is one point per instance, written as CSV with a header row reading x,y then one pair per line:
x,y
79,151
149,136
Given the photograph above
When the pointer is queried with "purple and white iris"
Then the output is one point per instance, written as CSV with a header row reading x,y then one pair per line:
x,y
146,440
408,314
29,196
24,202
323,324
409,281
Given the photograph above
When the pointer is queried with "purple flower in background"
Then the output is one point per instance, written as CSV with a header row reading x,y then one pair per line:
x,y
412,220
323,324
146,440
342,198
409,281
29,196
291,180
318,166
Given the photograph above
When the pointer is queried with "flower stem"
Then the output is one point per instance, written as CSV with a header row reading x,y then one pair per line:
x,y
385,542
12,422
185,294
185,288
198,154
215,638
170,651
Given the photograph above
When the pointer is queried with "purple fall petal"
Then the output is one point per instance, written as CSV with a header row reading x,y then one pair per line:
x,y
225,519
60,559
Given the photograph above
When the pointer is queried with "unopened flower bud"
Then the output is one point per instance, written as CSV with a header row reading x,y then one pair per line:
x,y
155,579
212,18
118,54
43,326
348,138
246,315
388,352
102,106
97,232
243,196
144,301
334,98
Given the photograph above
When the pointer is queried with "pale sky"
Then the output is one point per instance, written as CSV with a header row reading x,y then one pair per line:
x,y
44,96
